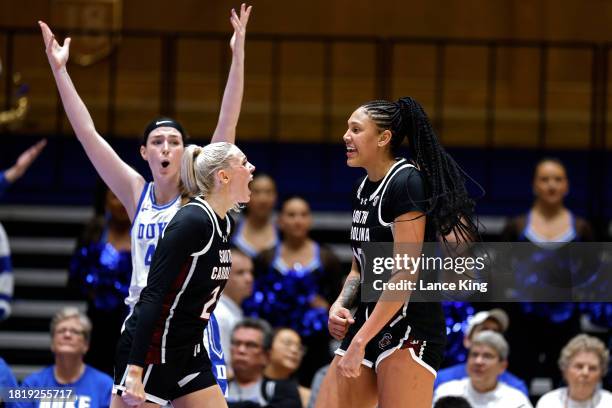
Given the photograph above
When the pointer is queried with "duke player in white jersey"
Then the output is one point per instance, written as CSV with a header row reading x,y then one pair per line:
x,y
150,206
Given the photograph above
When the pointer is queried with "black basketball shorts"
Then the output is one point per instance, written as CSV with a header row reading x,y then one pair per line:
x,y
394,336
187,369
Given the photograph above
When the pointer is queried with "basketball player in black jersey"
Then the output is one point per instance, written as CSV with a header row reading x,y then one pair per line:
x,y
161,355
391,349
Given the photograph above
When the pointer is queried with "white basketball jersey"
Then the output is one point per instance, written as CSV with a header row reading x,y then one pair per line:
x,y
149,223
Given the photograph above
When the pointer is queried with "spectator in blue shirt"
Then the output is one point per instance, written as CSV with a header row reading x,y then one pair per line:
x,y
70,333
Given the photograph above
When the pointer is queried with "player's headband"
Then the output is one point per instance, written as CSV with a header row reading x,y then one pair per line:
x,y
162,122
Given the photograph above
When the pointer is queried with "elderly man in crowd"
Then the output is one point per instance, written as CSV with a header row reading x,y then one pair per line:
x,y
487,360
496,320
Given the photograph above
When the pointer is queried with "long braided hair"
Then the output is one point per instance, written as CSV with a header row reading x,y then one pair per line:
x,y
450,208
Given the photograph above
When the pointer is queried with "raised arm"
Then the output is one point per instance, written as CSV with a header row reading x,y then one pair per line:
x,y
232,96
24,161
13,173
124,181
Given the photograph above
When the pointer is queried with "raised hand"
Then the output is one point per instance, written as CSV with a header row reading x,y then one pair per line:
x,y
57,54
24,161
239,23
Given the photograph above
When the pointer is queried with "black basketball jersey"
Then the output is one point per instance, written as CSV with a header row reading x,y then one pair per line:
x,y
188,272
375,207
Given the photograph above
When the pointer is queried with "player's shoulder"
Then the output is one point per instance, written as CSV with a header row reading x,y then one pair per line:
x,y
193,217
197,211
407,173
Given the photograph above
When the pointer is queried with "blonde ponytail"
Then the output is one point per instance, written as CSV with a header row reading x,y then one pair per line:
x,y
188,176
200,164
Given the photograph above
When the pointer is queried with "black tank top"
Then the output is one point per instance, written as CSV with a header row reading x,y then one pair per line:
x,y
375,207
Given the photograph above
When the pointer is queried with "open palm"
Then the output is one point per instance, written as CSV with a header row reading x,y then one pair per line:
x,y
26,158
239,23
57,54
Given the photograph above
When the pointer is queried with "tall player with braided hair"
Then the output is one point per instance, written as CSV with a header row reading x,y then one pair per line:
x,y
392,348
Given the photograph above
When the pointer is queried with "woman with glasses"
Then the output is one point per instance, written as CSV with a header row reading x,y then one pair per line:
x,y
251,350
286,356
70,334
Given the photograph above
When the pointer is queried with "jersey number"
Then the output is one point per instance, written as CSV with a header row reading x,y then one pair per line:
x,y
149,255
213,299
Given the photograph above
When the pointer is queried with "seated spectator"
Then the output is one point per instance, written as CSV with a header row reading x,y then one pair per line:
x,y
229,311
487,360
101,268
548,220
496,320
8,177
251,343
285,358
295,283
583,363
256,232
70,332
549,226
